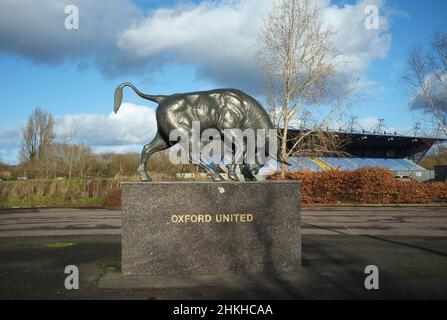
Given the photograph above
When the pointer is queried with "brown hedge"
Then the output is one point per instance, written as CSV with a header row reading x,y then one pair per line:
x,y
365,186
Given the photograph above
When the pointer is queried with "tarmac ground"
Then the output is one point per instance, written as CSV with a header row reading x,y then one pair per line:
x,y
407,244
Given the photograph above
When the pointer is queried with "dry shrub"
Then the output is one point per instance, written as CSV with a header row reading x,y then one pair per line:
x,y
362,186
113,199
68,192
365,186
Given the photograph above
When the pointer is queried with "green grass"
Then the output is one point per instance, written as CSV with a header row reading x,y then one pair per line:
x,y
58,245
55,193
110,264
56,200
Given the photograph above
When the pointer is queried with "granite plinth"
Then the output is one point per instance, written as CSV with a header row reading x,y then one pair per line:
x,y
187,228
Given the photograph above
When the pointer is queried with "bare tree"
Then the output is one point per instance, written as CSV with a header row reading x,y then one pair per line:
x,y
70,133
436,156
50,165
37,136
3,166
298,59
426,79
84,161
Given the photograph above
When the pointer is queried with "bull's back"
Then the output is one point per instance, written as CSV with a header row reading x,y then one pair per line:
x,y
219,108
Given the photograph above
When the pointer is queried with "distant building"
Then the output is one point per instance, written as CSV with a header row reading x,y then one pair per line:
x,y
5,175
399,153
441,173
190,175
185,175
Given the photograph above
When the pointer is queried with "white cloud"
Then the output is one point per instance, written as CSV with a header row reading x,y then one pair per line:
x,y
359,45
36,30
221,38
436,86
129,148
133,124
127,131
10,137
9,155
210,31
368,123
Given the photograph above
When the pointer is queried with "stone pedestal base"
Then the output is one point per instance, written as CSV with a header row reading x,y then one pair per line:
x,y
187,228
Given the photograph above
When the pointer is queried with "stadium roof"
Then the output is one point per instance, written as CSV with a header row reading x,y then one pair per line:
x,y
383,145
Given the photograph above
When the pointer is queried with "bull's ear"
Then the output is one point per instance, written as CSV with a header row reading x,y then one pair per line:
x,y
118,98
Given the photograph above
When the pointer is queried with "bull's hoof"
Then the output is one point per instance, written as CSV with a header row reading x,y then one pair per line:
x,y
250,177
233,176
144,177
217,177
143,174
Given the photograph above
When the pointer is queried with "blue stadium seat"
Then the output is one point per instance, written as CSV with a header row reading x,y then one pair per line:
x,y
339,163
304,163
409,164
297,164
390,164
365,162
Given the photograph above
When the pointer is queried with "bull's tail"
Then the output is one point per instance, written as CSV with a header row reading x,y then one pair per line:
x,y
119,95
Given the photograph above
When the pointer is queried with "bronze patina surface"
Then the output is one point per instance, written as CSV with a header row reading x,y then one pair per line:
x,y
218,109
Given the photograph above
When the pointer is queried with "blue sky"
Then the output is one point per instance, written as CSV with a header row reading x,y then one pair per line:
x,y
72,74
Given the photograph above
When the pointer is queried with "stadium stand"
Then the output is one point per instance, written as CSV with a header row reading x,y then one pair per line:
x,y
326,163
398,153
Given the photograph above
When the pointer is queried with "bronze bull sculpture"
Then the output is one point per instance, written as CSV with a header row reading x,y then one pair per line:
x,y
219,109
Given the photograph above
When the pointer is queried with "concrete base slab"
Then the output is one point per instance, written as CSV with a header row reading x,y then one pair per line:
x,y
116,280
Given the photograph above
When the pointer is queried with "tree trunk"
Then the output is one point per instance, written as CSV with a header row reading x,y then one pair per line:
x,y
284,147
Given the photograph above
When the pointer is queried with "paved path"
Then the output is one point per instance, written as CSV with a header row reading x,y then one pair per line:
x,y
405,221
59,221
376,220
333,267
407,244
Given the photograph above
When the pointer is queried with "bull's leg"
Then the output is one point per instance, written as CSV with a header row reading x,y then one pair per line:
x,y
239,150
156,145
250,170
232,171
216,177
231,167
